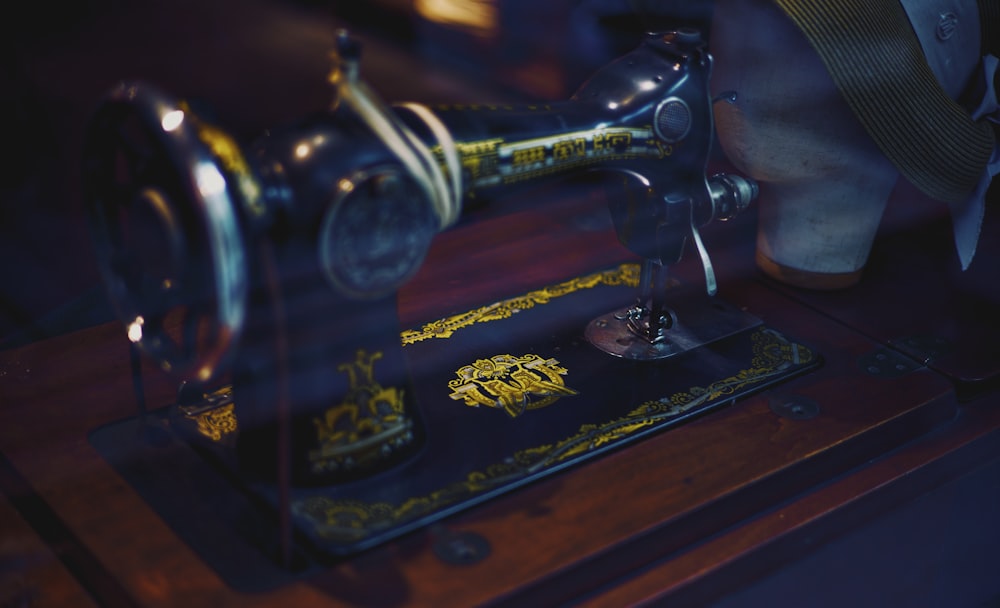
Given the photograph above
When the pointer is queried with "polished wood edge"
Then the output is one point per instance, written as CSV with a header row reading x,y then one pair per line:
x,y
735,559
32,573
686,531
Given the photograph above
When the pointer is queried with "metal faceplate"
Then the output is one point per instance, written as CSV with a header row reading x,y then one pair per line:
x,y
376,232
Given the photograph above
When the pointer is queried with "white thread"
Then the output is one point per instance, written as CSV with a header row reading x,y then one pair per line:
x,y
415,156
451,158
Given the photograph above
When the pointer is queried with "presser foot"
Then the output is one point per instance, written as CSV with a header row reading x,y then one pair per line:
x,y
690,322
642,321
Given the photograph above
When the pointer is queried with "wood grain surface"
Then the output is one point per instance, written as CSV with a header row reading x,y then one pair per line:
x,y
665,506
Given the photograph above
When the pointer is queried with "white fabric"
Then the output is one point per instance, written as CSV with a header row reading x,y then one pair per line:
x,y
452,206
954,60
967,216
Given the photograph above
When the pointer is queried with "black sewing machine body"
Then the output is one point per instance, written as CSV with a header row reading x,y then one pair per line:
x,y
268,279
647,116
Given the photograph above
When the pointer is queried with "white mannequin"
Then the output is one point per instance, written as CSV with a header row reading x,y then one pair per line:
x,y
823,182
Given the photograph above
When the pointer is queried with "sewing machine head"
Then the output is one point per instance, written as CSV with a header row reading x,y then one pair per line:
x,y
275,265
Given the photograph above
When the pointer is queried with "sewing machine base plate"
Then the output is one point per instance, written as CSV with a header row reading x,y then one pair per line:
x,y
573,403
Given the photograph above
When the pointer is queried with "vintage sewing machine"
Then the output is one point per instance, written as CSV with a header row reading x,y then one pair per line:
x,y
264,278
299,407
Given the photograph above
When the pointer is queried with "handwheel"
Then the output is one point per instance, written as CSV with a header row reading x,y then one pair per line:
x,y
164,193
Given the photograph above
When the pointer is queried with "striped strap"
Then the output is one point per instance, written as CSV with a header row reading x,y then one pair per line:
x,y
876,61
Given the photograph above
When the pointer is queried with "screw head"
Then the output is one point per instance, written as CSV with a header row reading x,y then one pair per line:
x,y
461,548
946,26
794,407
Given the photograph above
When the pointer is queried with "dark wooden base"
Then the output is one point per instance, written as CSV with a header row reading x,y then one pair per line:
x,y
685,514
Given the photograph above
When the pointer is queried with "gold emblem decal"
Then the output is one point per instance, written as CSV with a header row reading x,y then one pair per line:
x,y
513,384
368,425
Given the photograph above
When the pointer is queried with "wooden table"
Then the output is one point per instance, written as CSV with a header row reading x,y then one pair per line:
x,y
686,515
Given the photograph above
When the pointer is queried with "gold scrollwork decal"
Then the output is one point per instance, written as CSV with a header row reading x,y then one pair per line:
x,y
214,417
625,274
513,384
228,152
218,423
